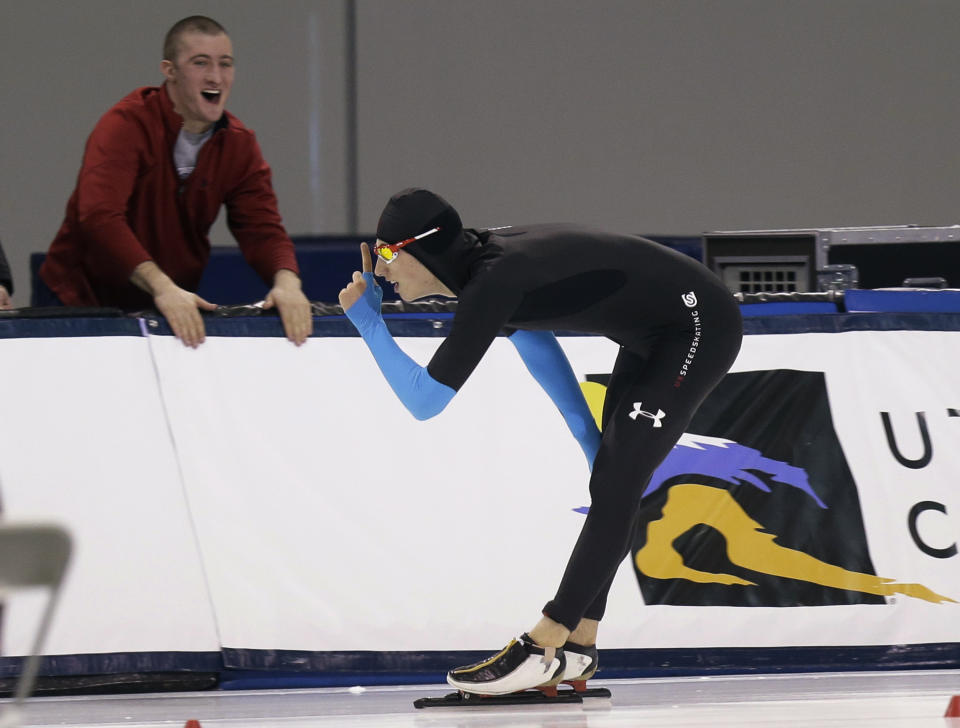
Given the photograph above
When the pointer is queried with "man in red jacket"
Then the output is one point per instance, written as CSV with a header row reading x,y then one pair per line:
x,y
155,172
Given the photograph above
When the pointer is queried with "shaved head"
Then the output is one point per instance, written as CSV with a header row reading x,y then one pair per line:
x,y
193,24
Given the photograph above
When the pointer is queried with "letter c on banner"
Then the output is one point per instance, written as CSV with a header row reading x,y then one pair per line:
x,y
915,535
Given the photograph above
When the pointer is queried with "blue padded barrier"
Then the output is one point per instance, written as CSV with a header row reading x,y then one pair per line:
x,y
947,301
338,669
438,324
791,308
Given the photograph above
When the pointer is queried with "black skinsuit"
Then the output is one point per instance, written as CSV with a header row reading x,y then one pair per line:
x,y
679,330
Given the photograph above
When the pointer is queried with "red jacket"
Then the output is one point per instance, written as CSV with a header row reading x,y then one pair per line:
x,y
130,206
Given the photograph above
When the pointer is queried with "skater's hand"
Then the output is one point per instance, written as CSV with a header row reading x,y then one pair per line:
x,y
356,288
362,297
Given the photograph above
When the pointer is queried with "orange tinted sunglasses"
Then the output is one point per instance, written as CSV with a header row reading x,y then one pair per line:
x,y
387,252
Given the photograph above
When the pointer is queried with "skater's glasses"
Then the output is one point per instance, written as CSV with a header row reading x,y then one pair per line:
x,y
387,252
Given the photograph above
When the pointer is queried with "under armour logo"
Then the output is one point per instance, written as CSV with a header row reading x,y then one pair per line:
x,y
655,417
689,299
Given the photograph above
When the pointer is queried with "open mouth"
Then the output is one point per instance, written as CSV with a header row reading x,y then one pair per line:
x,y
212,96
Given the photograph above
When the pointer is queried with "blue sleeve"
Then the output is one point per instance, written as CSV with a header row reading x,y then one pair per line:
x,y
420,393
545,360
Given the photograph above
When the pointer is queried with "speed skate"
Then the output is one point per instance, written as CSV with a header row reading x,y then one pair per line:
x,y
523,673
534,696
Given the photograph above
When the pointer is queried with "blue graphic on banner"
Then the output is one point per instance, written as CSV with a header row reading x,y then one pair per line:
x,y
729,461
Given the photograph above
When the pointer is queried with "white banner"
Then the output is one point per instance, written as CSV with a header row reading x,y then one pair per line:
x,y
85,442
256,495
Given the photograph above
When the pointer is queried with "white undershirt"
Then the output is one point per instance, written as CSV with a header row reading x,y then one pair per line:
x,y
187,148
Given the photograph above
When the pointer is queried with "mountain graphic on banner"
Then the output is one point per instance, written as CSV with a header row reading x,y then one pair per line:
x,y
759,507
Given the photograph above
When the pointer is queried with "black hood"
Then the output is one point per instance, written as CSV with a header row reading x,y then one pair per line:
x,y
450,253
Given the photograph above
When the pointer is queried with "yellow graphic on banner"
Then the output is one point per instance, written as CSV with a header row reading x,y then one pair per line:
x,y
594,394
690,505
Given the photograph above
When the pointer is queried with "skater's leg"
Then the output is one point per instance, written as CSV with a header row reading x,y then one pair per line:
x,y
586,632
645,414
598,607
580,652
549,633
627,367
513,666
629,452
553,634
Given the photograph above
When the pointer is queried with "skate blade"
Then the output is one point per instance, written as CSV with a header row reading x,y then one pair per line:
x,y
581,689
461,699
593,693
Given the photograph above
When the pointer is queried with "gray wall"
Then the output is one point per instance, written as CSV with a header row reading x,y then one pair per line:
x,y
651,116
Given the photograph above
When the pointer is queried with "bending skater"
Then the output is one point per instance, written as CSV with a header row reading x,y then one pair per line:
x,y
679,331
